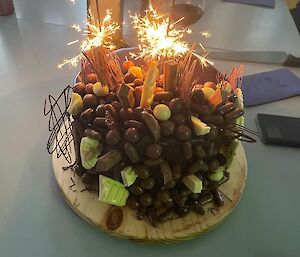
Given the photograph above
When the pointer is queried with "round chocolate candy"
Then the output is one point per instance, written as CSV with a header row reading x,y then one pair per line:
x,y
141,212
137,113
183,132
179,119
222,159
197,96
167,127
129,77
214,165
79,88
166,216
117,105
79,170
110,97
100,90
91,78
87,115
146,199
142,171
200,109
154,151
176,105
93,134
156,203
89,101
213,133
89,88
133,203
100,110
163,196
182,211
162,112
132,135
170,184
138,82
127,64
126,114
113,137
136,190
147,183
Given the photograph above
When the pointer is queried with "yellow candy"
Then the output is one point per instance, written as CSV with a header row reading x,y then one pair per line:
x,y
100,90
210,84
76,104
137,71
208,92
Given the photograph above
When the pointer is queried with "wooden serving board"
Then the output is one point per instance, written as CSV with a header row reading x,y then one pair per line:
x,y
87,206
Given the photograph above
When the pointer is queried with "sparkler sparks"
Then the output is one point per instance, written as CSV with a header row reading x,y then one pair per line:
x,y
158,38
206,34
98,34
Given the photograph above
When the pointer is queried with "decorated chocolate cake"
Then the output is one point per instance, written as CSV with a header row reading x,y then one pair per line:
x,y
154,129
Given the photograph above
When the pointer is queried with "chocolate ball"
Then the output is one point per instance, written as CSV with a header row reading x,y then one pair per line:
x,y
91,78
197,96
148,183
133,203
137,113
132,135
110,97
87,115
93,134
113,137
126,114
138,82
89,88
163,196
79,88
146,199
100,110
129,77
89,101
167,127
117,105
176,105
142,171
179,119
136,190
154,151
183,132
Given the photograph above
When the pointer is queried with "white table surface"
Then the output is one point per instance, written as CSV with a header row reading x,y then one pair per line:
x,y
35,220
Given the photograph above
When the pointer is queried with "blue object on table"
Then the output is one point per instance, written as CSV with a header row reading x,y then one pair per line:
x,y
270,86
266,3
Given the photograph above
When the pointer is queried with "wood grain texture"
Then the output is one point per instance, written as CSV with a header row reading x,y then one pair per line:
x,y
87,206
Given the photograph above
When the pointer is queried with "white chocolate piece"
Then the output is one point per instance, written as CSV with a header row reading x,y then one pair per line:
x,y
217,175
193,183
208,92
240,98
200,128
128,176
162,112
76,105
100,90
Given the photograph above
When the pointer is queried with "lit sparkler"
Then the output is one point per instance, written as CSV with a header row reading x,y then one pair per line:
x,y
160,40
98,34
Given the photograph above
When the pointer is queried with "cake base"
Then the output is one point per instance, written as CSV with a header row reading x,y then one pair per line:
x,y
86,204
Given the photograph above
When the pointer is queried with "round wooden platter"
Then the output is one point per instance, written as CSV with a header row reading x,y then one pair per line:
x,y
88,207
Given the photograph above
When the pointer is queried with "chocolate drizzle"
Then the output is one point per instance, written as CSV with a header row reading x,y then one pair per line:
x,y
59,124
